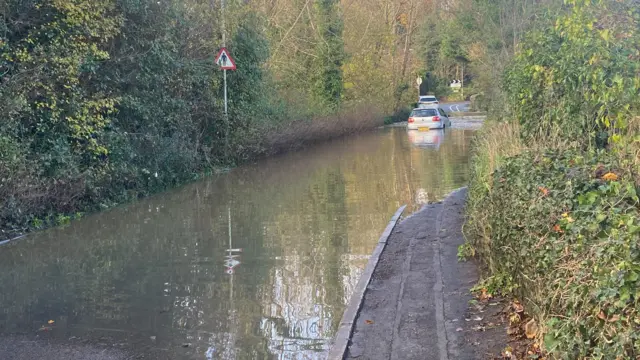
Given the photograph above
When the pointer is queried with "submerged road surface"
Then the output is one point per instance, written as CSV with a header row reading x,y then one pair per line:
x,y
257,263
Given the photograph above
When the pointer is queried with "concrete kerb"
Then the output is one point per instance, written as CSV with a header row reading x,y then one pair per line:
x,y
343,335
3,242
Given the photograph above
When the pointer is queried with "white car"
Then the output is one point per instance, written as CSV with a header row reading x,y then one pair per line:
x,y
428,100
427,119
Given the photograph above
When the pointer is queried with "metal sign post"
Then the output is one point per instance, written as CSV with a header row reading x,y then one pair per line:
x,y
226,62
224,76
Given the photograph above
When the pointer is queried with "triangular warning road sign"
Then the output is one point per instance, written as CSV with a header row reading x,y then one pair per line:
x,y
224,60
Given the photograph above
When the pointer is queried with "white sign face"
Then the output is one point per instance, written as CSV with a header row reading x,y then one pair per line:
x,y
224,60
419,80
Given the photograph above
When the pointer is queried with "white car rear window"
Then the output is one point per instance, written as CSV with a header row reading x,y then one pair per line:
x,y
428,98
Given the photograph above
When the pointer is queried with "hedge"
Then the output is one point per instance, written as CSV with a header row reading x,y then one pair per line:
x,y
561,231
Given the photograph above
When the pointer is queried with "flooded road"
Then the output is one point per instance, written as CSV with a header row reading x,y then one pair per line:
x,y
258,263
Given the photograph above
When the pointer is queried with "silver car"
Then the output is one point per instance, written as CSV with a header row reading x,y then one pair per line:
x,y
429,118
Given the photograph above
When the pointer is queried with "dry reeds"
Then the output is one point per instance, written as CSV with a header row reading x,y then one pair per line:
x,y
633,133
302,132
495,142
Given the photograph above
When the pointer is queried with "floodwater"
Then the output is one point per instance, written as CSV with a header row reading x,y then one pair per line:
x,y
258,263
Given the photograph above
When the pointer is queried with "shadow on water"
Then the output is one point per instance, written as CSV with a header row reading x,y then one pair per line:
x,y
256,263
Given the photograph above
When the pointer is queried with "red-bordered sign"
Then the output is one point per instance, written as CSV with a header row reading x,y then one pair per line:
x,y
224,60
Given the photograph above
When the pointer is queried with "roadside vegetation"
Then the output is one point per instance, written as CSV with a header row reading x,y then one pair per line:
x,y
105,102
553,210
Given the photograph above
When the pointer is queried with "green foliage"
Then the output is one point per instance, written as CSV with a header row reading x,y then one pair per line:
x,y
443,44
559,228
104,102
579,77
498,283
564,226
465,251
327,65
480,36
51,94
400,115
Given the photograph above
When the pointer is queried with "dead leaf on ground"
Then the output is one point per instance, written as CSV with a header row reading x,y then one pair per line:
x,y
602,315
50,322
543,190
531,329
517,307
610,176
507,353
368,322
485,295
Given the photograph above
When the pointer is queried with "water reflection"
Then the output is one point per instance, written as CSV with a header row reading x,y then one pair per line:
x,y
258,263
426,139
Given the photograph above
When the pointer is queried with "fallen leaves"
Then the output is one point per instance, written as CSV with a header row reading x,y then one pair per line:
x,y
610,176
602,316
531,329
507,353
514,319
557,229
484,294
523,331
543,190
517,307
368,322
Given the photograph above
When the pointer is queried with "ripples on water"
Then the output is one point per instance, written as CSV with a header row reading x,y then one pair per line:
x,y
157,277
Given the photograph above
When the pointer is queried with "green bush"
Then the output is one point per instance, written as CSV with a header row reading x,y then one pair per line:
x,y
578,79
562,229
105,102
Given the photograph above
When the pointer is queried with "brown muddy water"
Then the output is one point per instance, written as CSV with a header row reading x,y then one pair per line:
x,y
258,263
